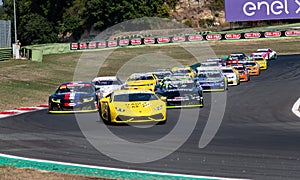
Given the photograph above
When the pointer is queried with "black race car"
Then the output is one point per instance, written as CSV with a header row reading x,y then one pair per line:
x,y
73,97
180,92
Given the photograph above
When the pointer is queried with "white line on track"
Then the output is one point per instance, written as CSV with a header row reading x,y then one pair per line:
x,y
296,108
118,169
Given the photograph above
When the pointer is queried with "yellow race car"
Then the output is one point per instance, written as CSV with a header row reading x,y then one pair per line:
x,y
185,69
263,65
141,81
126,106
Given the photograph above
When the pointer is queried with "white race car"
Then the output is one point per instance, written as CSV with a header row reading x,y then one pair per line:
x,y
107,84
232,75
266,53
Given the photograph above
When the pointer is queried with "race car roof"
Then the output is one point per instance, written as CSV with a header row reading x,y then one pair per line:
x,y
76,83
105,78
116,92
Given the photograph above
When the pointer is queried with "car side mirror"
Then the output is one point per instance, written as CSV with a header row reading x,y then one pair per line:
x,y
163,98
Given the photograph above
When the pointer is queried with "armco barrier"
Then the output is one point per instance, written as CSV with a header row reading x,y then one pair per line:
x,y
5,53
183,38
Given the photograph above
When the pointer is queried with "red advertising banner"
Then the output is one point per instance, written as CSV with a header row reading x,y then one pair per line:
x,y
101,44
74,46
112,43
149,40
82,46
272,34
136,41
252,35
92,45
195,38
163,40
178,39
124,42
213,37
232,36
292,33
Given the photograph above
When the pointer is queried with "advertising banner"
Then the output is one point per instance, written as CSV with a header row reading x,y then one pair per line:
x,y
124,42
74,46
162,40
92,45
101,44
232,36
272,34
178,39
149,40
82,46
136,41
195,38
292,33
249,10
213,37
252,35
112,43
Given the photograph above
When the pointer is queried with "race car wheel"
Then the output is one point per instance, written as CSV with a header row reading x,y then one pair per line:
x,y
108,121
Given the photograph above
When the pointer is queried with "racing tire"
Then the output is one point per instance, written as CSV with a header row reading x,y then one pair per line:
x,y
108,121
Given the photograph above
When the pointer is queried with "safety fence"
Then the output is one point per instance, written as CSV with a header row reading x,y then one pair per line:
x,y
181,38
5,53
36,52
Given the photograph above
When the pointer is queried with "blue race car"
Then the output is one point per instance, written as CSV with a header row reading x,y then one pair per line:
x,y
73,97
212,80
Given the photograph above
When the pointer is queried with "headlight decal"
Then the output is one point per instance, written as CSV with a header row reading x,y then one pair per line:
x,y
55,100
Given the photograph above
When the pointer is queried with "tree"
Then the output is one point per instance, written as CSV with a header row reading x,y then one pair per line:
x,y
37,30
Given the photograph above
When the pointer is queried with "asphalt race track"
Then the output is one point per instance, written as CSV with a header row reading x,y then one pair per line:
x,y
259,137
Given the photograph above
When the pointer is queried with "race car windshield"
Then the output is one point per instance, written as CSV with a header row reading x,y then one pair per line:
x,y
106,83
237,56
178,85
136,78
249,64
214,75
135,97
262,51
227,71
239,68
258,59
67,89
209,64
161,75
183,71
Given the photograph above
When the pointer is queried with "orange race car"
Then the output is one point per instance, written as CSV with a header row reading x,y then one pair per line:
x,y
243,72
252,66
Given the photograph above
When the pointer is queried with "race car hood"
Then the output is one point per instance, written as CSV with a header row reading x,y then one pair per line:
x,y
73,96
210,79
139,108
